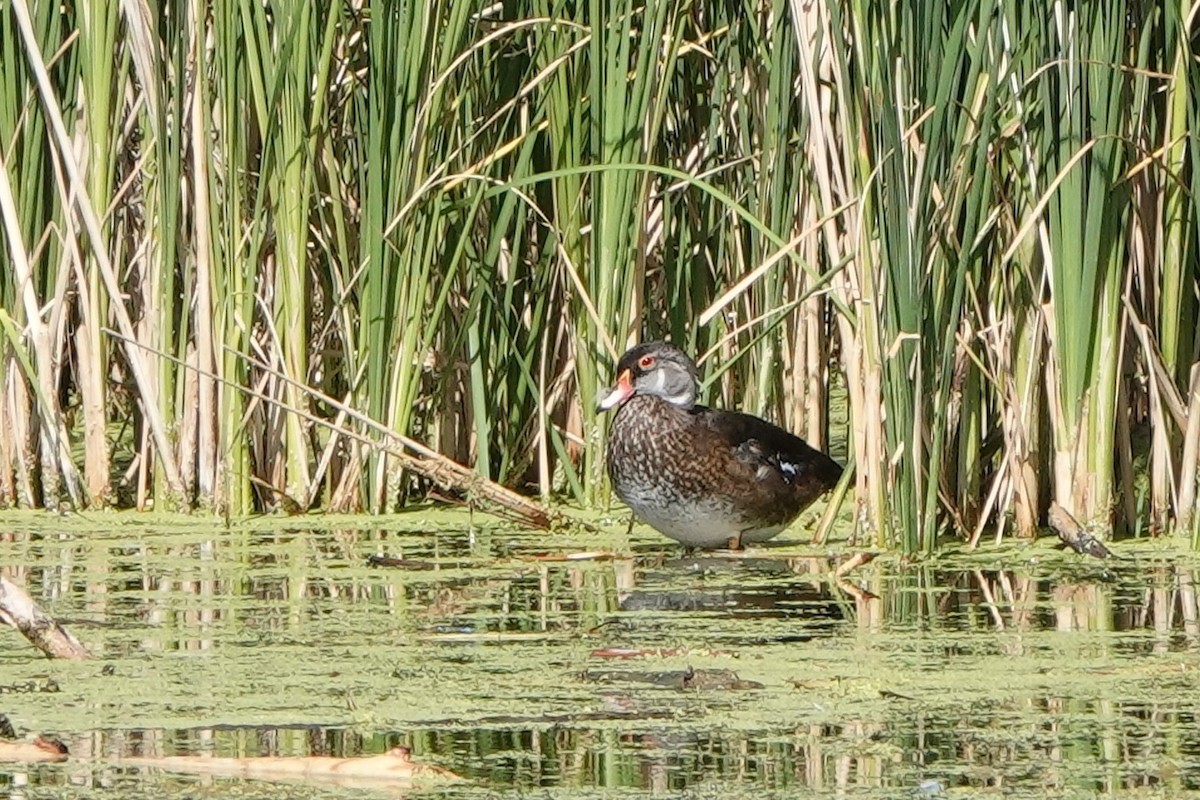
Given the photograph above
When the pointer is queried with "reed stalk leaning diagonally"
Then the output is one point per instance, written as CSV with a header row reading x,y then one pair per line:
x,y
975,219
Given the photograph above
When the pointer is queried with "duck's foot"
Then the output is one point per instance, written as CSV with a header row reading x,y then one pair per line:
x,y
735,542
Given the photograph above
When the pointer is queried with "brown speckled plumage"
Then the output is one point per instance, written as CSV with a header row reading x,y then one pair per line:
x,y
704,477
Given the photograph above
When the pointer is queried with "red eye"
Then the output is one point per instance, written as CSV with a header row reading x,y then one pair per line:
x,y
646,362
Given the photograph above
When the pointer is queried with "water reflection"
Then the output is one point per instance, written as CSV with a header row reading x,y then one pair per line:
x,y
497,655
1051,747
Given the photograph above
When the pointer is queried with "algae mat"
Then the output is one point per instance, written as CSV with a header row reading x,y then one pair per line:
x,y
500,654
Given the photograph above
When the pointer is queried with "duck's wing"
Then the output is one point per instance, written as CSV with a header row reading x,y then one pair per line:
x,y
771,451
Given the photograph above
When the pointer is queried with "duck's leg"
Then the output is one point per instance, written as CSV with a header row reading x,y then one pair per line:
x,y
735,541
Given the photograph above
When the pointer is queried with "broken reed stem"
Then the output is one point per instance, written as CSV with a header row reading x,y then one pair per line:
x,y
414,456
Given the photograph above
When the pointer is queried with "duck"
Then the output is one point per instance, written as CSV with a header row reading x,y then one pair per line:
x,y
705,477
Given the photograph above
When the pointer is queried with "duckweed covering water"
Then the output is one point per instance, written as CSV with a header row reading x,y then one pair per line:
x,y
1016,673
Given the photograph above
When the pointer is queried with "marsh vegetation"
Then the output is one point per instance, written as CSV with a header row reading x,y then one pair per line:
x,y
247,245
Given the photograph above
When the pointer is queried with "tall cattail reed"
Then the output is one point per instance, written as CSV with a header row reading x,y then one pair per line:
x,y
237,233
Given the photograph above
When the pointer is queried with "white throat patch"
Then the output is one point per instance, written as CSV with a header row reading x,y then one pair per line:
x,y
683,398
680,399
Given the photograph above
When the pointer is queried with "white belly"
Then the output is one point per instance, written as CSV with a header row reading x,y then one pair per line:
x,y
697,524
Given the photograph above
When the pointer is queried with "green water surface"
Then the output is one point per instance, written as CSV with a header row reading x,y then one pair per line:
x,y
1016,672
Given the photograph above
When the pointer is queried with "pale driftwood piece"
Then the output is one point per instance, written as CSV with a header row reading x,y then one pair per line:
x,y
36,751
18,609
392,768
1073,535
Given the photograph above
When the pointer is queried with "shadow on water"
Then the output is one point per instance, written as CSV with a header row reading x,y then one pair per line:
x,y
494,653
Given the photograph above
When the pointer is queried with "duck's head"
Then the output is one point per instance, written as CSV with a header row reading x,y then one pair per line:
x,y
657,369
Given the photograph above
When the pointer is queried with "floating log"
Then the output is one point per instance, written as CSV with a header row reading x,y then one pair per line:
x,y
18,610
34,751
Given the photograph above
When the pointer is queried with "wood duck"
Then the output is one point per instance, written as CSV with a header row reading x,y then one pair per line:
x,y
704,477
